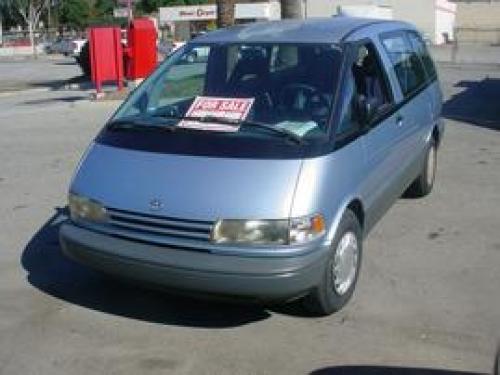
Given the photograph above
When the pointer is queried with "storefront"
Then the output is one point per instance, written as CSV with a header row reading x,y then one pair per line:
x,y
185,21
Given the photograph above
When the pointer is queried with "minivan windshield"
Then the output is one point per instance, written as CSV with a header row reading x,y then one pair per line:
x,y
270,90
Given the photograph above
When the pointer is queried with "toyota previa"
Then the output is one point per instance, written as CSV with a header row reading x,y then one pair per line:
x,y
252,163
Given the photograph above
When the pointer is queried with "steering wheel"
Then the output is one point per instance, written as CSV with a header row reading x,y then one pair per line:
x,y
313,103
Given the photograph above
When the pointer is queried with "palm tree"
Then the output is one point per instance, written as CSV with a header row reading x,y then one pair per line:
x,y
291,9
225,13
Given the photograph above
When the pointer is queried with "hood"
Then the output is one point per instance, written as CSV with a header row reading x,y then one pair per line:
x,y
189,187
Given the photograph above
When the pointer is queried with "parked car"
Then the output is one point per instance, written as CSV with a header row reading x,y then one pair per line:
x,y
74,47
56,46
67,46
165,47
257,173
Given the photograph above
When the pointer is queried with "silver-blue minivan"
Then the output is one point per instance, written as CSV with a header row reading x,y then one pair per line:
x,y
253,162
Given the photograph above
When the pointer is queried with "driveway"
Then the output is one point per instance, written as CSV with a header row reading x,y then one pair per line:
x,y
428,296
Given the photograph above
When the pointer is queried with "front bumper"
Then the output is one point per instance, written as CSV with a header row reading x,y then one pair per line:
x,y
205,274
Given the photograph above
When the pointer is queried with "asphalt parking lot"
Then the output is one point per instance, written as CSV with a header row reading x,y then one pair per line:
x,y
428,297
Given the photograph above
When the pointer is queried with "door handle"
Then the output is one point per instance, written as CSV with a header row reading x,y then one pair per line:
x,y
399,121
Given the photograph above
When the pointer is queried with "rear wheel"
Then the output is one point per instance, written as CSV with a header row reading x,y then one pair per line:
x,y
424,183
341,271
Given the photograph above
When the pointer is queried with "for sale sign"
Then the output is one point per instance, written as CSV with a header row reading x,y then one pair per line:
x,y
233,109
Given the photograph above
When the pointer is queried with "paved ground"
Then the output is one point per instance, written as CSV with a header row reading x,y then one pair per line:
x,y
428,296
49,71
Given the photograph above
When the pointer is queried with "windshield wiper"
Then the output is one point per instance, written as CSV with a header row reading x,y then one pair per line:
x,y
280,131
138,124
131,123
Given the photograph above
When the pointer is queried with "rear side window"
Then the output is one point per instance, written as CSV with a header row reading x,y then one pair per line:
x,y
422,51
406,62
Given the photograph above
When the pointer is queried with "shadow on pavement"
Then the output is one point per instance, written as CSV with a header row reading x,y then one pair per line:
x,y
65,63
477,104
67,99
381,370
79,82
51,272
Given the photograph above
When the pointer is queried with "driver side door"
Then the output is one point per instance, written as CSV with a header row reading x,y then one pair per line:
x,y
378,182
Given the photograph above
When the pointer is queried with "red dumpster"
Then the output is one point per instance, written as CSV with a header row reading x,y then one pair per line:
x,y
141,49
106,56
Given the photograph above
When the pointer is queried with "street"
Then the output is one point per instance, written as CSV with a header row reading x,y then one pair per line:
x,y
428,296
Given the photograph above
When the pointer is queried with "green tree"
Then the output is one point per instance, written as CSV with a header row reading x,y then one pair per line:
x,y
74,14
9,15
102,13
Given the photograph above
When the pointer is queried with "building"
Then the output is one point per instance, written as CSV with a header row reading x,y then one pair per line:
x,y
187,20
435,18
478,21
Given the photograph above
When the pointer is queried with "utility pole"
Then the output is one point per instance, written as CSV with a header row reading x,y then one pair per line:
x,y
225,13
291,9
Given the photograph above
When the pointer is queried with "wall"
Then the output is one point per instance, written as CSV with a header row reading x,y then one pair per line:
x,y
370,11
19,51
431,17
321,8
421,13
445,27
478,22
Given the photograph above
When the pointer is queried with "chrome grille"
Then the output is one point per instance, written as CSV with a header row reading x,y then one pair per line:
x,y
144,226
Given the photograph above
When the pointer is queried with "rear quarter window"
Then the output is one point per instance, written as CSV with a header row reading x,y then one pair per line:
x,y
419,46
406,62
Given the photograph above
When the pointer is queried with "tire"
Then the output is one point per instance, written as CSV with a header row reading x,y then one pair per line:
x,y
424,183
331,295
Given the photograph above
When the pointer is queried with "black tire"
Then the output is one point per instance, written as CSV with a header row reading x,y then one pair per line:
x,y
424,183
324,299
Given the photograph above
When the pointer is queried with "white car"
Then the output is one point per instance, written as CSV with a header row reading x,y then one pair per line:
x,y
73,47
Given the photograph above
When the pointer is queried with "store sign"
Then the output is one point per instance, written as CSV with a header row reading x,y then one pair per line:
x,y
188,13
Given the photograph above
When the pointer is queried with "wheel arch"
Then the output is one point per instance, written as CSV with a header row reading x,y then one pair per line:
x,y
354,204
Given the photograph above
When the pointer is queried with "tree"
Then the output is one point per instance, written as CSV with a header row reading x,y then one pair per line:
x,y
30,11
225,13
74,13
291,9
10,17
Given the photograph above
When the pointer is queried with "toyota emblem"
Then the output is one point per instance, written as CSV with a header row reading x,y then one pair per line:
x,y
155,204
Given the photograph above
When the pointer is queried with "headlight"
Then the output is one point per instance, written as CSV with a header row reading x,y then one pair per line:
x,y
269,232
84,209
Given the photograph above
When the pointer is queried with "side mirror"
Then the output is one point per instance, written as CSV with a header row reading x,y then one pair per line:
x,y
365,109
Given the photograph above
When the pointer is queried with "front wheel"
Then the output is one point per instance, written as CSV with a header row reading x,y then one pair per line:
x,y
341,271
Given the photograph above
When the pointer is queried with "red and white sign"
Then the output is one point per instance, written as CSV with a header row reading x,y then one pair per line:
x,y
234,109
188,13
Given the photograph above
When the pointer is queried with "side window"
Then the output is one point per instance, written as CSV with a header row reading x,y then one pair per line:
x,y
184,80
406,62
419,46
365,77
